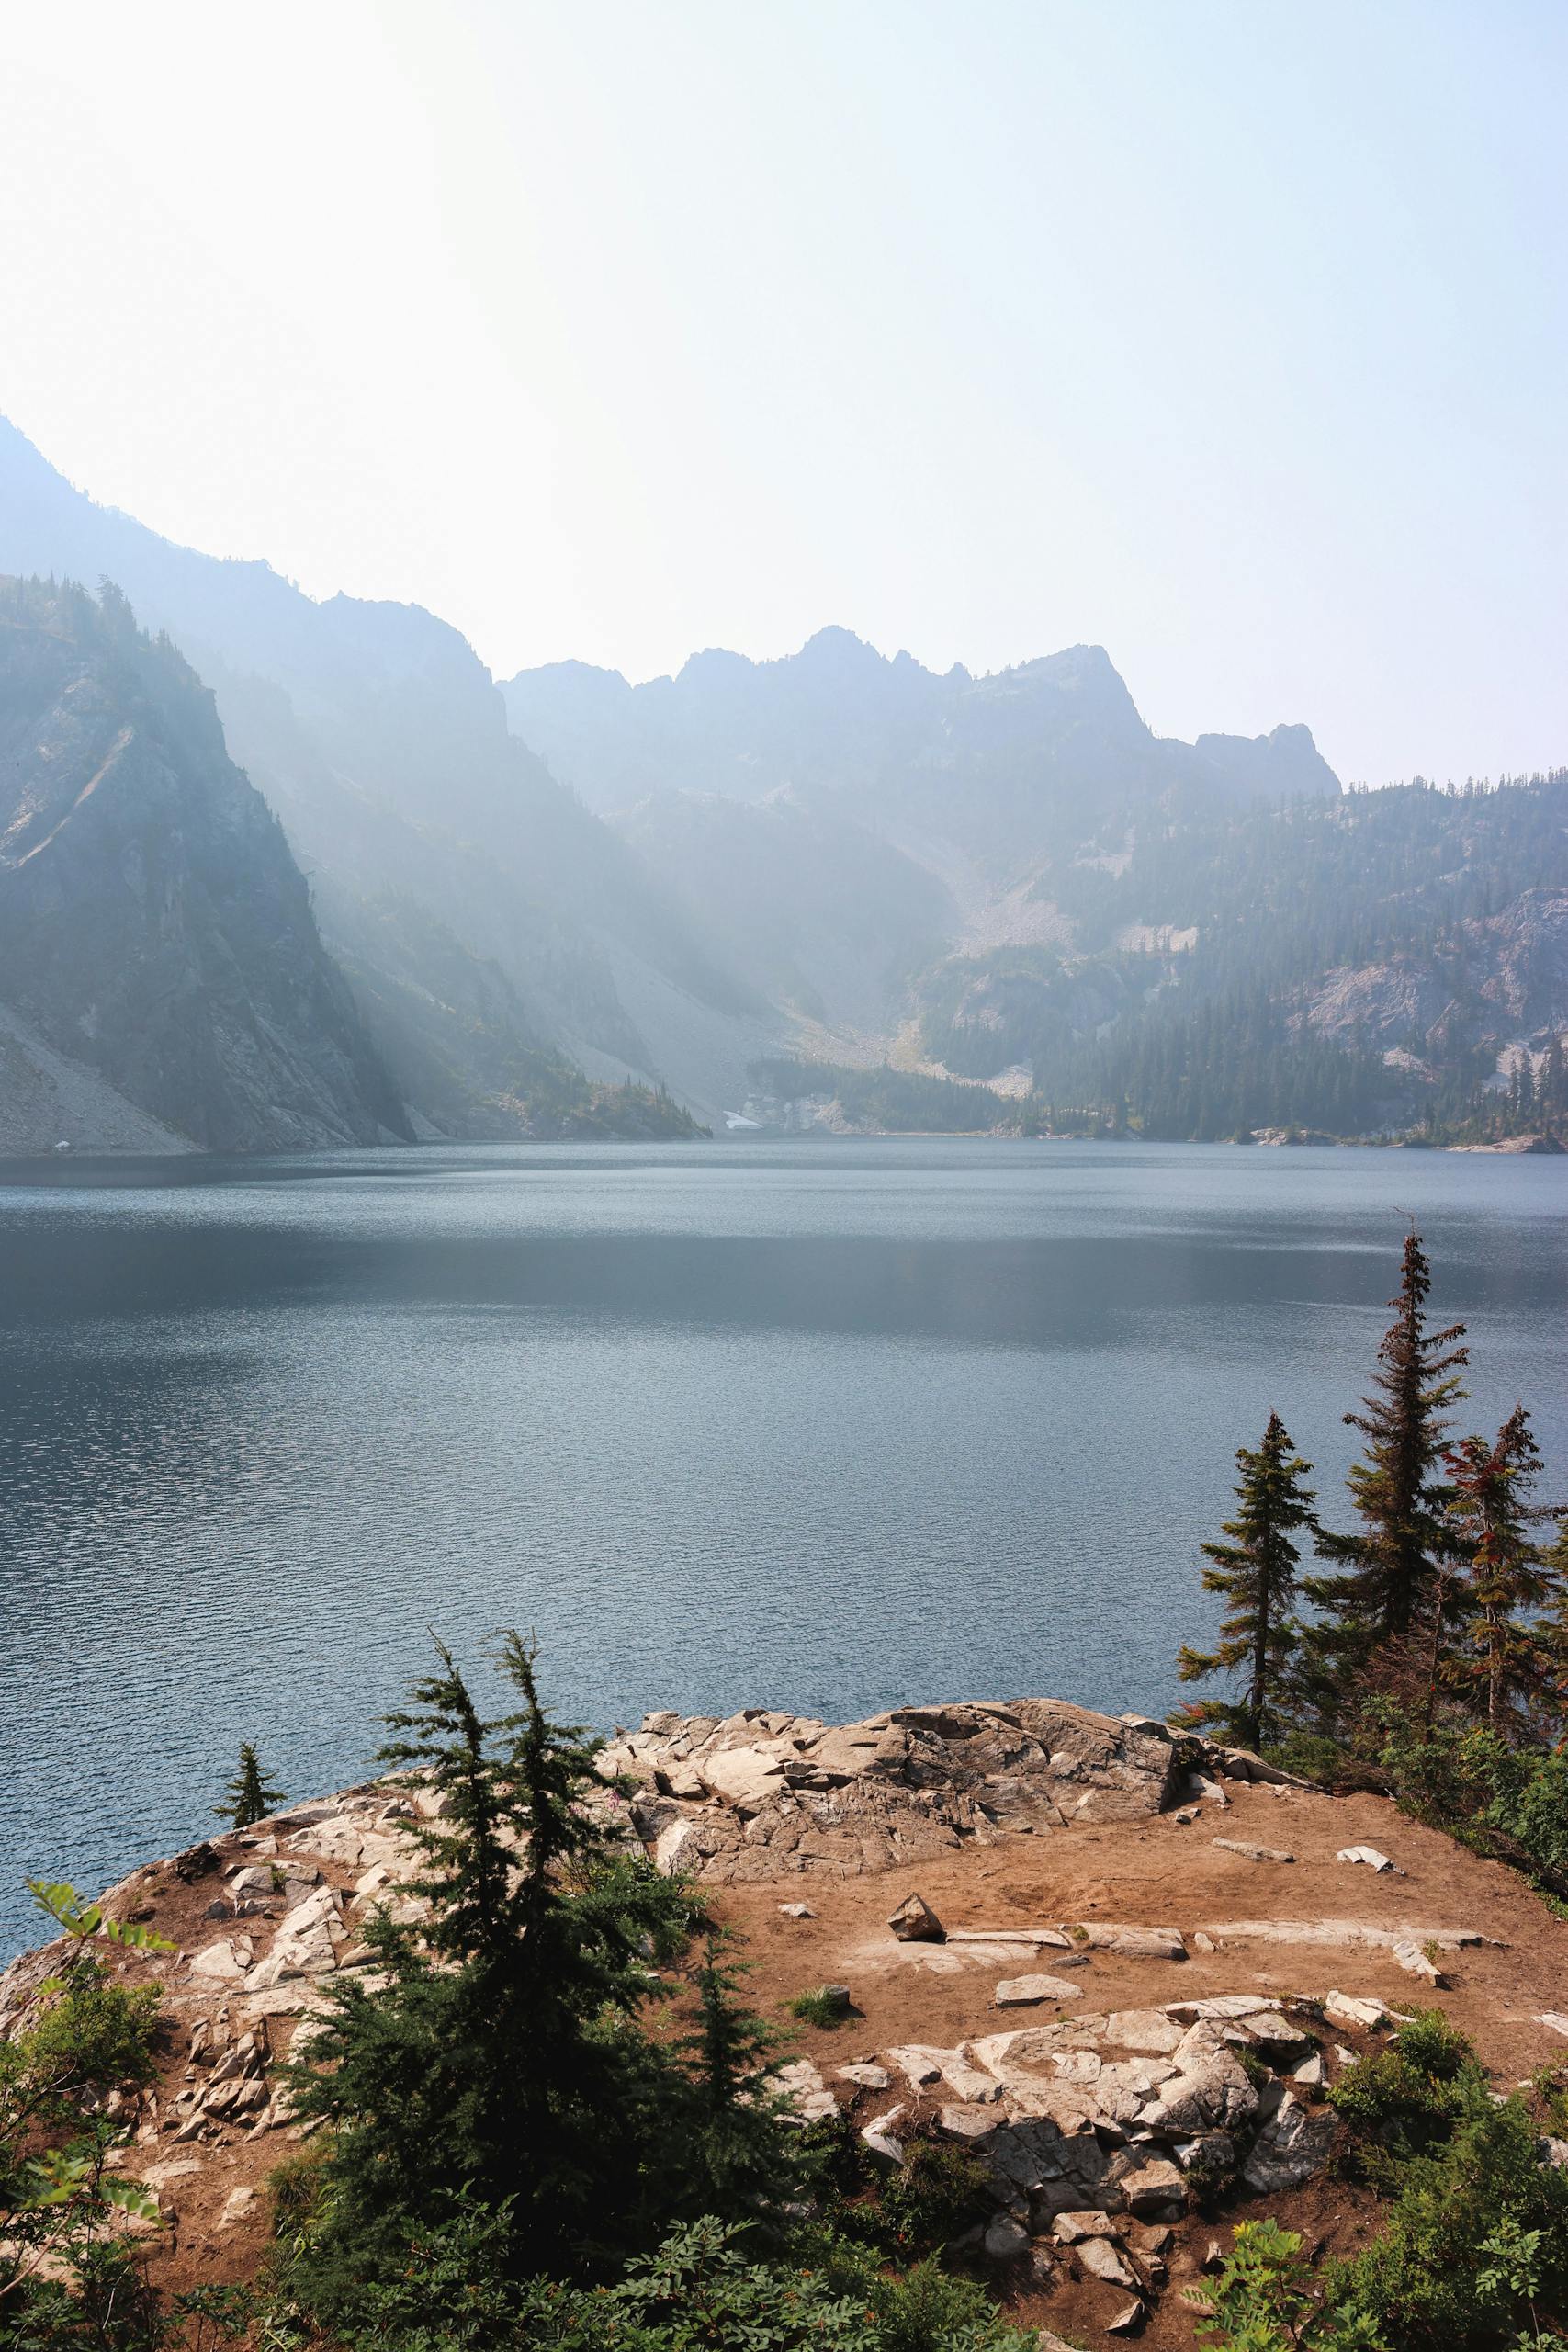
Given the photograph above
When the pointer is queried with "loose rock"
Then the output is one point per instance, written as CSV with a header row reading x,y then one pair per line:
x,y
915,1922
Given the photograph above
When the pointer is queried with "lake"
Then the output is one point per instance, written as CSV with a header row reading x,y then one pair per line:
x,y
822,1425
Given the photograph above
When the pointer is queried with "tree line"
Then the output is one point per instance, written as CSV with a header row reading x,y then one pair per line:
x,y
1441,1614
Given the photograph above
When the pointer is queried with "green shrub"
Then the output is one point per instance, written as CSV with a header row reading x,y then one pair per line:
x,y
1310,1755
699,2292
1473,2257
1408,2098
1504,1800
94,2035
938,2192
821,2006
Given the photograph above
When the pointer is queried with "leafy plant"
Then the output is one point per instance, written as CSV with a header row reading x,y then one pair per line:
x,y
1266,2299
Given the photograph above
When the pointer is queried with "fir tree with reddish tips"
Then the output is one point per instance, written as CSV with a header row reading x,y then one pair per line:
x,y
1255,1571
1389,1591
1503,1662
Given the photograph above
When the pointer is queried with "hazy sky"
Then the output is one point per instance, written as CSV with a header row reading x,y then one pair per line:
x,y
1232,337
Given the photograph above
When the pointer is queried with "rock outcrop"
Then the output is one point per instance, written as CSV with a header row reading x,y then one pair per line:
x,y
758,1795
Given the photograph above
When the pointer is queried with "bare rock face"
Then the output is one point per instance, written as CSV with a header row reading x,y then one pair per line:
x,y
761,1795
156,936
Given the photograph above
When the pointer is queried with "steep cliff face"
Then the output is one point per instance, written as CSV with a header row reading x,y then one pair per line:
x,y
379,739
153,925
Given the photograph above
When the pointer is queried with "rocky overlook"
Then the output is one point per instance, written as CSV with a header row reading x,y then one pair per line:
x,y
1122,1965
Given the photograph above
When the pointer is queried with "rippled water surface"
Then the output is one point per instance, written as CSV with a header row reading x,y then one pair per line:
x,y
824,1425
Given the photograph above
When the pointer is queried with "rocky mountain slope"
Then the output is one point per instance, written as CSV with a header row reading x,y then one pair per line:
x,y
378,738
1121,1967
853,825
155,931
1009,882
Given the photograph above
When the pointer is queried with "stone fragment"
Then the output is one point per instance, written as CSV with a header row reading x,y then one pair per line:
x,y
1077,2065
236,2206
916,2064
1218,2005
1131,1943
1026,1992
1214,2094
878,2135
1051,1936
1072,2228
1252,1853
1103,2258
1201,1943
1415,1962
1554,2021
1366,1854
1154,2190
224,1960
867,2077
1355,1935
1127,2320
965,2122
1291,2146
1370,2014
797,1911
914,1922
970,2082
1006,2239
1311,2074
804,2092
670,1844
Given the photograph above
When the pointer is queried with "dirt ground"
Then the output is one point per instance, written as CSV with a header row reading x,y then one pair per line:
x,y
1157,1871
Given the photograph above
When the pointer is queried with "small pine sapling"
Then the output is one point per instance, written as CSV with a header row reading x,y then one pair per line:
x,y
248,1799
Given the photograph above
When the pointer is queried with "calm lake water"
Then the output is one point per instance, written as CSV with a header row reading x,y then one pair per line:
x,y
820,1425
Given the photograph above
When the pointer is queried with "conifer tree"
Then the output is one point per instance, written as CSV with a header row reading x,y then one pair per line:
x,y
500,2058
249,1797
1387,1591
734,2107
1504,1662
1555,1560
1255,1571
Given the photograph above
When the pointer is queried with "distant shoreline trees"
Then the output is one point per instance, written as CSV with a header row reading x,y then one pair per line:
x,y
1443,1619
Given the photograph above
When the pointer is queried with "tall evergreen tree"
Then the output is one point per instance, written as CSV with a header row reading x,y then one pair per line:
x,y
1255,1571
1386,1594
1505,1663
501,2058
248,1796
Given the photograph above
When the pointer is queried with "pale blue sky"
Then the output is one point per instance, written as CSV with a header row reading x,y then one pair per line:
x,y
1230,333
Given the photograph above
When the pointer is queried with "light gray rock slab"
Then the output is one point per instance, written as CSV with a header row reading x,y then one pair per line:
x,y
1025,1992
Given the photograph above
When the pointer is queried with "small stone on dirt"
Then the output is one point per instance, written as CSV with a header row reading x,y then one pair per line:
x,y
1368,1854
915,1922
